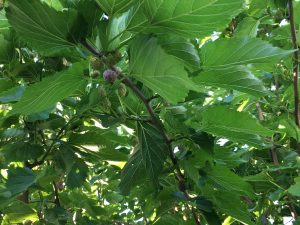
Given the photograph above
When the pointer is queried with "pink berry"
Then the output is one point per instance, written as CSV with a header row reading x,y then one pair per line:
x,y
110,76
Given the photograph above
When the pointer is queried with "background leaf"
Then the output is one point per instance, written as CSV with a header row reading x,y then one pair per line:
x,y
240,51
236,78
51,90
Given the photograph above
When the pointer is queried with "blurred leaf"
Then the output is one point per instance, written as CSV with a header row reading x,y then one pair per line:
x,y
19,212
19,180
295,188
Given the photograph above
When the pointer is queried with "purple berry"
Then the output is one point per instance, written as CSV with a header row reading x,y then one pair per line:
x,y
110,75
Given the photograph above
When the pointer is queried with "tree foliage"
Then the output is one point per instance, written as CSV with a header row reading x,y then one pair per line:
x,y
149,112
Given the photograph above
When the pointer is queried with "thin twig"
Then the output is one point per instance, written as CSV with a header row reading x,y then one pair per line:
x,y
295,62
276,162
296,84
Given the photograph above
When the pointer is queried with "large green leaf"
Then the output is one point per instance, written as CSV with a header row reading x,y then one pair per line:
x,y
6,50
295,188
132,173
192,18
239,51
232,205
231,124
224,179
159,71
153,149
46,29
4,25
19,180
19,212
51,90
182,49
97,136
115,6
22,151
237,78
125,26
248,27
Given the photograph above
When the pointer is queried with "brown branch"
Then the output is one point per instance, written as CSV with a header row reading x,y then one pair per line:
x,y
259,112
156,121
56,195
295,62
276,162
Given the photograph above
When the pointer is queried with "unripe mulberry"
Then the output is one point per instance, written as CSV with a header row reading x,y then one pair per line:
x,y
102,92
96,63
105,104
2,4
122,90
95,73
117,56
110,76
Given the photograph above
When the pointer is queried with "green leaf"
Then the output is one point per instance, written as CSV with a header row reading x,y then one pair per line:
x,y
132,173
4,25
182,49
240,51
231,205
289,126
159,71
19,212
295,188
231,124
153,149
237,78
5,84
115,6
90,12
51,90
12,95
97,136
248,27
22,151
6,50
224,179
191,18
46,29
227,157
125,26
261,182
19,180
78,174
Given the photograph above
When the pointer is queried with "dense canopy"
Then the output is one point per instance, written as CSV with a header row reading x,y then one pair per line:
x,y
163,112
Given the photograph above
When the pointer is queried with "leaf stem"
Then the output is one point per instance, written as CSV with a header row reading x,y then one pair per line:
x,y
295,62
